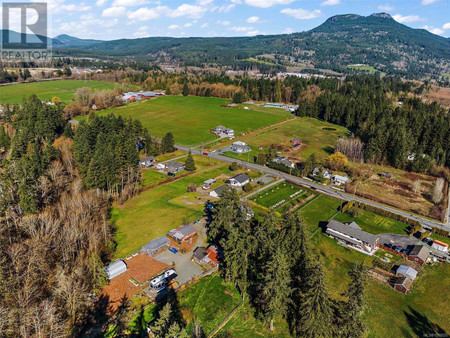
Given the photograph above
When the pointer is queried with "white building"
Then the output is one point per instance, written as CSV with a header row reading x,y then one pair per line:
x,y
440,246
338,179
238,180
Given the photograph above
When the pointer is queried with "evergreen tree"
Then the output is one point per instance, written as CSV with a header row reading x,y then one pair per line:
x,y
351,321
190,164
315,317
185,89
276,289
168,143
162,324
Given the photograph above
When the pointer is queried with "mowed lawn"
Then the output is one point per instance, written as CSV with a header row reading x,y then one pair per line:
x,y
274,194
191,118
316,139
150,214
64,89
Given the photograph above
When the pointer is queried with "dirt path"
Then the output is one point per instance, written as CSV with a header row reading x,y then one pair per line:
x,y
227,319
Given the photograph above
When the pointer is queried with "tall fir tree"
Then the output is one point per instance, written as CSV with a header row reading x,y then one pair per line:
x,y
190,164
168,143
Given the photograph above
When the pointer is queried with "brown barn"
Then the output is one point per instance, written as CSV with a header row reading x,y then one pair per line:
x,y
402,284
419,254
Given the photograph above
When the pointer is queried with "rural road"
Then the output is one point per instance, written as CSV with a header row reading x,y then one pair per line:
x,y
426,223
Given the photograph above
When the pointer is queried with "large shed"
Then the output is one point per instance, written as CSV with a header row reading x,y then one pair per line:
x,y
156,245
116,268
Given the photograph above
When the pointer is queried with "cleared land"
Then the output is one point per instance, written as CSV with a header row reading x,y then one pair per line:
x,y
191,118
64,89
269,197
316,139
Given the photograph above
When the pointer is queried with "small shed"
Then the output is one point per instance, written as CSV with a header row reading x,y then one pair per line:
x,y
402,284
156,245
116,268
407,271
419,254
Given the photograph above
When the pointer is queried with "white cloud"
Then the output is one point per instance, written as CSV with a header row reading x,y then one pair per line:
x,y
112,12
224,22
288,30
190,11
76,8
428,2
386,8
101,3
188,24
173,27
129,3
204,2
446,26
241,29
434,30
145,13
141,32
301,14
330,3
253,19
204,25
407,18
267,3
225,8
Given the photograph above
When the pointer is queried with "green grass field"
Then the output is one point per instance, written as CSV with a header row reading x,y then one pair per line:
x,y
64,89
311,131
151,214
191,118
275,194
366,68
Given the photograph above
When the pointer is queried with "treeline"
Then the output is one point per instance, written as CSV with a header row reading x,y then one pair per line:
x,y
389,133
53,232
271,261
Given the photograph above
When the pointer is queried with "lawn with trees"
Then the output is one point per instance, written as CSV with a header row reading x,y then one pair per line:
x,y
191,118
46,90
274,195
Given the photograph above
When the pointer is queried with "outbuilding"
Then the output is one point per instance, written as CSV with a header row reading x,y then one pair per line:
x,y
440,246
402,284
406,271
419,254
116,268
183,233
155,246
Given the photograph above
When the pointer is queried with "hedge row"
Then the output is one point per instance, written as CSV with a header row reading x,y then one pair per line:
x,y
386,213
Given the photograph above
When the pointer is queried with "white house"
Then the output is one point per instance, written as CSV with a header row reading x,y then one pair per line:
x,y
238,180
338,179
147,161
222,130
285,161
160,166
219,191
440,246
240,147
325,173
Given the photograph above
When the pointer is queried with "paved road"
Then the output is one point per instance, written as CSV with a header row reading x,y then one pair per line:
x,y
320,188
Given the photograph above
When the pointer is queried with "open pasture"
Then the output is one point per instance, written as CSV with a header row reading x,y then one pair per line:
x,y
191,118
275,196
64,89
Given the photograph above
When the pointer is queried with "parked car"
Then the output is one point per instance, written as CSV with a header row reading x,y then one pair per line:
x,y
171,174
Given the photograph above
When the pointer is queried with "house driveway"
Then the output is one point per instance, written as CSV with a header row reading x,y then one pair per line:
x,y
395,239
186,269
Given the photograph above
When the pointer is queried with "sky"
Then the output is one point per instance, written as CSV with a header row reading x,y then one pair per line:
x,y
115,19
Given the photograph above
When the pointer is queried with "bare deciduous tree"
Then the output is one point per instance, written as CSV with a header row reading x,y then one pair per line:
x,y
352,147
438,191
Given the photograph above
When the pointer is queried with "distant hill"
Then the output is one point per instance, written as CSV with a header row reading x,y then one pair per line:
x,y
15,37
71,41
375,42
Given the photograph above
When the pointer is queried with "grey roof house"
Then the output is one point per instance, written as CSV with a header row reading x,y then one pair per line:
x,y
147,161
284,161
156,245
353,236
406,271
238,180
219,191
175,166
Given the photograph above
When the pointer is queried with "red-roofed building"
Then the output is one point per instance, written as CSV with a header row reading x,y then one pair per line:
x,y
213,255
440,246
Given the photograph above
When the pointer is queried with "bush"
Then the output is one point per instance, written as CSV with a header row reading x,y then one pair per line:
x,y
234,166
248,187
192,187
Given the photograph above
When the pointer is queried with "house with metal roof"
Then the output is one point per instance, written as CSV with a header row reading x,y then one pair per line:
x,y
240,147
419,254
338,179
155,246
353,236
175,166
183,233
116,268
406,271
238,180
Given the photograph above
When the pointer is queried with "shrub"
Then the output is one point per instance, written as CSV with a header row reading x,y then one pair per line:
x,y
248,187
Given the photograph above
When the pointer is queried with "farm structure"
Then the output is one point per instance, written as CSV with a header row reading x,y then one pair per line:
x,y
353,236
155,246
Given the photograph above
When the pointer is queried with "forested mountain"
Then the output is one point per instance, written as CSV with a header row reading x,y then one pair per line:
x,y
376,40
72,41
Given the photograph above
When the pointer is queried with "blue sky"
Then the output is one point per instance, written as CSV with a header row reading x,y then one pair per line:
x,y
113,19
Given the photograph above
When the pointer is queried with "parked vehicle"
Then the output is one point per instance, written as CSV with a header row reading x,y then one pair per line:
x,y
171,174
174,250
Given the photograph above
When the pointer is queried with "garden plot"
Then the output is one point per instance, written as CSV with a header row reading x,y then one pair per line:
x,y
278,195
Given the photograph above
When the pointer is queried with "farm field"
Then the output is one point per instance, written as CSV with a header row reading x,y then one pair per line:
x,y
316,139
191,118
64,89
366,68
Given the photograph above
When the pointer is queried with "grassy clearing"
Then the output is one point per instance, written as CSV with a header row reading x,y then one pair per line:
x,y
209,301
262,109
311,131
151,177
275,194
375,224
64,89
191,118
366,68
151,213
